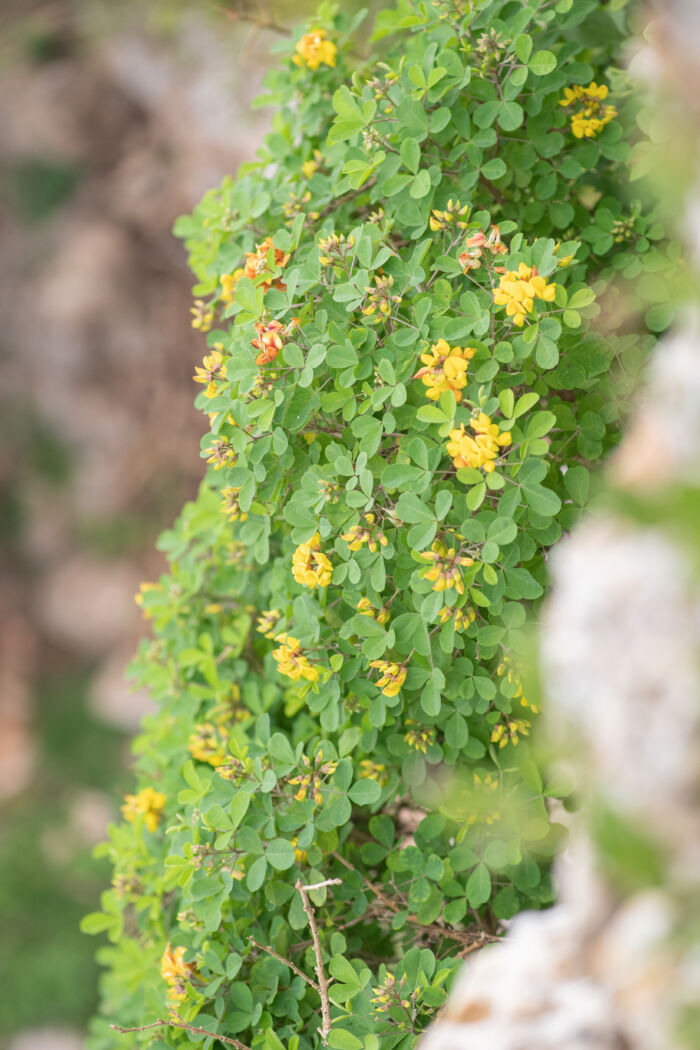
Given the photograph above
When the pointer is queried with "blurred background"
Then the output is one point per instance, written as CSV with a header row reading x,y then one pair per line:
x,y
114,119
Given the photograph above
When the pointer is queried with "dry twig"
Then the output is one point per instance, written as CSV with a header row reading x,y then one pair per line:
x,y
320,973
188,1027
287,962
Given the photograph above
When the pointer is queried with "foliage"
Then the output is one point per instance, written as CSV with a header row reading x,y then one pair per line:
x,y
407,398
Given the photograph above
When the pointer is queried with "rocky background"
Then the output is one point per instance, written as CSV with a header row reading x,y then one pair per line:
x,y
114,119
615,965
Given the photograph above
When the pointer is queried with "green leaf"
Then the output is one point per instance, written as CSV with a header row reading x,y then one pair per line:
x,y
420,186
365,792
280,854
410,154
478,888
541,63
412,509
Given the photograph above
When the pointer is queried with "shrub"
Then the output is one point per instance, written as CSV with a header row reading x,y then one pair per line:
x,y
406,399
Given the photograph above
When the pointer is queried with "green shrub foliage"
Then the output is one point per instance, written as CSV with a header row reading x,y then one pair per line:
x,y
423,307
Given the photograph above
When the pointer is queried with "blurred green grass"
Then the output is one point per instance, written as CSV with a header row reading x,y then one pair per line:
x,y
47,968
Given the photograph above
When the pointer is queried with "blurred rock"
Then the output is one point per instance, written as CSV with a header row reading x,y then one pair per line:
x,y
87,604
112,699
47,1039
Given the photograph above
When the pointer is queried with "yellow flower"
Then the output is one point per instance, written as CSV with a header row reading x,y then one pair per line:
x,y
373,771
144,588
381,300
445,369
510,731
420,738
292,662
309,566
314,50
176,972
454,215
310,783
228,283
518,289
365,608
221,454
445,568
311,166
148,802
212,369
591,116
392,676
206,744
506,668
267,621
480,451
231,506
462,617
299,853
202,315
358,535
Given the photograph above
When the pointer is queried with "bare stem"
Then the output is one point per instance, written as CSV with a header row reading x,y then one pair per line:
x,y
320,973
160,1023
287,962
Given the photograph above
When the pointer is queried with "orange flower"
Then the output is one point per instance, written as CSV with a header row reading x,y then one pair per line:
x,y
257,264
269,341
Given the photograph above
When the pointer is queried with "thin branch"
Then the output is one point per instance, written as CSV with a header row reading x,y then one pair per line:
x,y
320,973
160,1023
281,958
255,20
320,885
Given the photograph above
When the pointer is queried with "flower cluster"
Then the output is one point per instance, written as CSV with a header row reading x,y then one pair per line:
x,y
258,263
419,738
221,454
474,247
358,535
212,370
381,299
202,315
445,369
269,341
485,784
207,744
365,608
230,505
591,116
446,565
518,289
144,588
462,617
454,216
309,784
267,622
149,803
176,973
292,661
509,731
481,450
506,668
228,282
389,994
314,50
392,676
310,566
373,771
334,248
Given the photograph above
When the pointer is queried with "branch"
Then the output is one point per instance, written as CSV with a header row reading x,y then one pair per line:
x,y
320,974
471,941
262,23
160,1023
281,958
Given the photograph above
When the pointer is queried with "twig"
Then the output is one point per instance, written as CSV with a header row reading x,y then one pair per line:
x,y
262,23
320,885
471,941
189,1027
281,958
320,973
